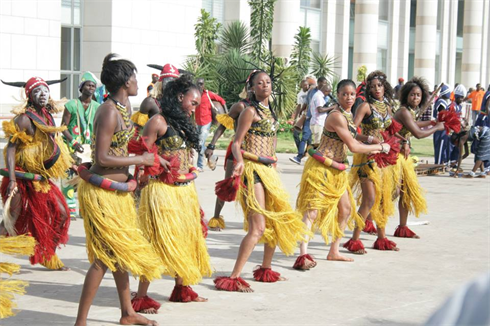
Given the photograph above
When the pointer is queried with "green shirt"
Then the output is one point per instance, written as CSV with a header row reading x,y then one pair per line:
x,y
81,121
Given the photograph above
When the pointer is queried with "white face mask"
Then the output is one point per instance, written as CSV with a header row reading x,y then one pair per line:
x,y
40,96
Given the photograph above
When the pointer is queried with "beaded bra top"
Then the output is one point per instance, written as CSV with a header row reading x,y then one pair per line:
x,y
120,139
404,132
331,145
172,144
260,137
379,118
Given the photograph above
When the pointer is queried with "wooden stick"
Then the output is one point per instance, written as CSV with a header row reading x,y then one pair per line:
x,y
429,102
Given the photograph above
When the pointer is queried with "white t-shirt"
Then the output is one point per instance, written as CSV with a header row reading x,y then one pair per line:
x,y
301,99
317,118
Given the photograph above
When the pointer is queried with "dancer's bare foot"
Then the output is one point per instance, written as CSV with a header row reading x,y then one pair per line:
x,y
308,264
200,299
64,269
244,289
149,311
359,252
217,229
136,319
338,257
282,278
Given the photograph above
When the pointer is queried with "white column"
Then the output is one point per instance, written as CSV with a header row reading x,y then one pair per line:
x,y
484,46
286,23
472,42
365,35
335,31
399,26
236,10
404,38
394,28
453,25
425,40
444,53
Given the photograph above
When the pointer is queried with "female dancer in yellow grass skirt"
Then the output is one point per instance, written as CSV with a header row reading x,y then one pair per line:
x,y
114,240
269,218
373,184
325,197
413,96
18,245
35,154
169,212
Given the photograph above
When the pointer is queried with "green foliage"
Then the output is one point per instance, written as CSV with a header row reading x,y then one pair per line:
x,y
235,37
286,125
323,65
206,33
261,19
284,88
301,52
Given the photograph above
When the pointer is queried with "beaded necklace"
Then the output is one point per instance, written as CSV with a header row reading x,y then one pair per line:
x,y
381,107
123,110
266,111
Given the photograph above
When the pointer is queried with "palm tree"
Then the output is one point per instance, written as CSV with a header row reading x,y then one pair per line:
x,y
323,66
301,52
235,36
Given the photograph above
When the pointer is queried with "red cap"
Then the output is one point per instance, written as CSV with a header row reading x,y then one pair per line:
x,y
401,80
169,71
154,75
33,83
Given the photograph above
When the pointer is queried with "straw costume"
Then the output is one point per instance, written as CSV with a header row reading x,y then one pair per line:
x,y
17,245
109,215
283,226
38,158
365,168
407,182
322,186
170,217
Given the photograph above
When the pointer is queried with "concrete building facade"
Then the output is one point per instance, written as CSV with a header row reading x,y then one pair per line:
x,y
442,40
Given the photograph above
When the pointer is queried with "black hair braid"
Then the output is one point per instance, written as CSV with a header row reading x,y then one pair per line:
x,y
407,88
173,113
116,71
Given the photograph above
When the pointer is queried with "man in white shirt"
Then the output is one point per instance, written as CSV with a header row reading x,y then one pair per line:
x,y
319,113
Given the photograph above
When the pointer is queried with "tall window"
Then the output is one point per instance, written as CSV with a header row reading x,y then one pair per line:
x,y
383,33
71,46
216,8
311,16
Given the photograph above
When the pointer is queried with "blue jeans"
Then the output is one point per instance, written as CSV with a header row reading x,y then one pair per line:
x,y
305,139
203,134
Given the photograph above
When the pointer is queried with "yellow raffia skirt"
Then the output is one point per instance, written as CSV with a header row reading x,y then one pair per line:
x,y
283,226
321,188
413,196
384,183
18,245
170,218
112,232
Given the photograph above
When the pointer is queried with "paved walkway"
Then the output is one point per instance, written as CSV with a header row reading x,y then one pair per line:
x,y
388,288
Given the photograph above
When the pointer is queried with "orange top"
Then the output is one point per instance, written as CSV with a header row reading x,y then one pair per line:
x,y
476,99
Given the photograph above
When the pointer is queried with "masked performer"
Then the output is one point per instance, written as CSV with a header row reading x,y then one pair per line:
x,y
376,184
36,153
413,95
325,198
269,217
79,118
114,240
169,211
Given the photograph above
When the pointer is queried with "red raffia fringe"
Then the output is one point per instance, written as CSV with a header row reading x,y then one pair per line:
x,y
183,294
369,227
384,244
203,223
227,189
266,275
404,232
394,127
390,158
301,261
143,303
451,120
230,284
354,245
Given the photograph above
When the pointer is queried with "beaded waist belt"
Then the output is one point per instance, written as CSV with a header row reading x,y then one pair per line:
x,y
326,161
177,179
23,175
104,183
267,160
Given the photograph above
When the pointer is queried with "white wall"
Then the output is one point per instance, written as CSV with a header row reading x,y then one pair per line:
x,y
30,38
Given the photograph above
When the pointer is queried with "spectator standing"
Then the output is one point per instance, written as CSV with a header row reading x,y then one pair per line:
x,y
204,117
306,128
397,88
154,79
300,111
476,98
319,111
